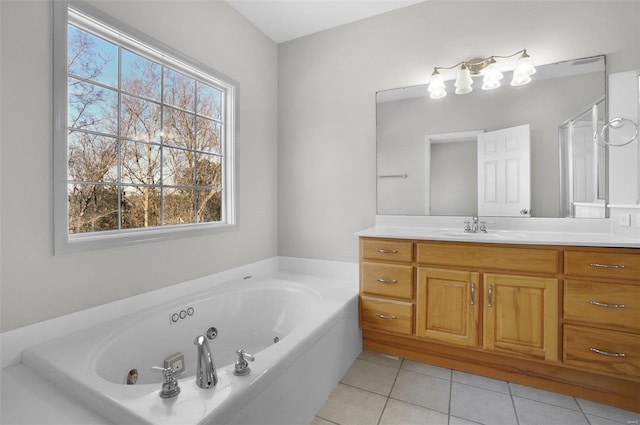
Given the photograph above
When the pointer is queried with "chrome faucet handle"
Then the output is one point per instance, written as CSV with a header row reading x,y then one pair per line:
x,y
170,386
242,367
467,226
483,227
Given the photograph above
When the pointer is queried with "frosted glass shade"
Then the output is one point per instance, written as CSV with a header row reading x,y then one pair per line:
x,y
436,83
490,85
464,81
520,80
493,73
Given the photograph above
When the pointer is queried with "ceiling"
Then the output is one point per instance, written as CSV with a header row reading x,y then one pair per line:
x,y
284,20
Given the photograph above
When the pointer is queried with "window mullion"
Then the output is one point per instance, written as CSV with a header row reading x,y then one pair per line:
x,y
119,135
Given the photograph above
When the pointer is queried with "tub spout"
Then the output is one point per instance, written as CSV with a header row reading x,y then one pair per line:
x,y
206,376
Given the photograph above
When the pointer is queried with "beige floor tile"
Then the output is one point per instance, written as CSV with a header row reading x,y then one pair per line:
x,y
459,421
320,421
352,406
422,390
370,376
482,405
481,382
427,369
380,358
597,420
531,412
609,412
544,396
398,412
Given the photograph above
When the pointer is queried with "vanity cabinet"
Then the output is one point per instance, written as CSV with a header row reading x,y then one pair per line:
x,y
559,318
521,315
602,311
387,286
447,306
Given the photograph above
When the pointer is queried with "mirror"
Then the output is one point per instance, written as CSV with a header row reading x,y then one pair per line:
x,y
455,156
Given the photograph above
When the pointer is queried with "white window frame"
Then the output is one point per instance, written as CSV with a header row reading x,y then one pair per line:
x,y
97,20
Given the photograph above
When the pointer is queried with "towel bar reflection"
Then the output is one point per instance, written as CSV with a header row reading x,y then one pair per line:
x,y
388,176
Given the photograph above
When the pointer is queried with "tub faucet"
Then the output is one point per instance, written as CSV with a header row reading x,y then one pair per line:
x,y
206,376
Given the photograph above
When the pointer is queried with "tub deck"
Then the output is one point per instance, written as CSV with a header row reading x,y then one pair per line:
x,y
28,398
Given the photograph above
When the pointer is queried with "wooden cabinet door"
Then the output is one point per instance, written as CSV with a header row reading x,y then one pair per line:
x,y
447,304
520,315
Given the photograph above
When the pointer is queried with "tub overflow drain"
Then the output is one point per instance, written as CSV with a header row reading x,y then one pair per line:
x,y
211,333
276,339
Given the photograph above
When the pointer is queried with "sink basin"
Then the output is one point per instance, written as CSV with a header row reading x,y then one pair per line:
x,y
490,235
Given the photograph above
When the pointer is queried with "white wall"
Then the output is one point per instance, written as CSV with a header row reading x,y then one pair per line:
x,y
327,85
35,285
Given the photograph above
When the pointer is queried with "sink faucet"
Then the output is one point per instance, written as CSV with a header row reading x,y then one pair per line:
x,y
206,376
474,226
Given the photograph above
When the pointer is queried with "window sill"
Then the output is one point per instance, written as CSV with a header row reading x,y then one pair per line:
x,y
76,243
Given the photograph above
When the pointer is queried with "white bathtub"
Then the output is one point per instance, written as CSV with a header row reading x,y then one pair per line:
x,y
313,318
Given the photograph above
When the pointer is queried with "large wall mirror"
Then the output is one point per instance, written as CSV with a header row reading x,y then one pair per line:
x,y
524,151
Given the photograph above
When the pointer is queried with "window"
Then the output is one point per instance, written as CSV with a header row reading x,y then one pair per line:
x,y
146,139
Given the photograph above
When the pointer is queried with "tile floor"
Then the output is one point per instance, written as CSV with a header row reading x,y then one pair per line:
x,y
378,390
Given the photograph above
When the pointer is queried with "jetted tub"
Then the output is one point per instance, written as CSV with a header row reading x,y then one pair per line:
x,y
301,329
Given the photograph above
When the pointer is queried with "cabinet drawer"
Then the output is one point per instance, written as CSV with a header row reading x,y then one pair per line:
x,y
505,258
386,315
605,303
605,351
375,249
602,264
388,280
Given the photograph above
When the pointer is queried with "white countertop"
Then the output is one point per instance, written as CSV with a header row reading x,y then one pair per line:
x,y
527,237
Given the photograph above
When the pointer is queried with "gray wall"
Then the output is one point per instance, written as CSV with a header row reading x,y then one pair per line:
x,y
328,81
35,284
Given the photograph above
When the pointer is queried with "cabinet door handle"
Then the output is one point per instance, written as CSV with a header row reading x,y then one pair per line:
x,y
490,295
607,266
386,316
606,353
387,251
473,293
382,280
606,305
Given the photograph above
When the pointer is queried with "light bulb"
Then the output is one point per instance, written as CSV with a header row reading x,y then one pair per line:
x,y
464,81
490,85
520,80
438,94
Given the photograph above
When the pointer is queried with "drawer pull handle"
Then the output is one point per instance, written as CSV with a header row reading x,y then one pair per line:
x,y
473,293
386,316
608,266
490,295
382,280
606,353
606,305
387,251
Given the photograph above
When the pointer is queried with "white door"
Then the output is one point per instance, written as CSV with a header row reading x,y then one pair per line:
x,y
504,168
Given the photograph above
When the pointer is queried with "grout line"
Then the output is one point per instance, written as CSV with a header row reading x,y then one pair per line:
x,y
513,403
450,397
327,420
386,402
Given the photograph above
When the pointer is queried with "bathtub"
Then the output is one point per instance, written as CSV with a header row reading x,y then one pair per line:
x,y
302,330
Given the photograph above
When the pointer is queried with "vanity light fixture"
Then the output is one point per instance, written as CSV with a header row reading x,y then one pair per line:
x,y
487,66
